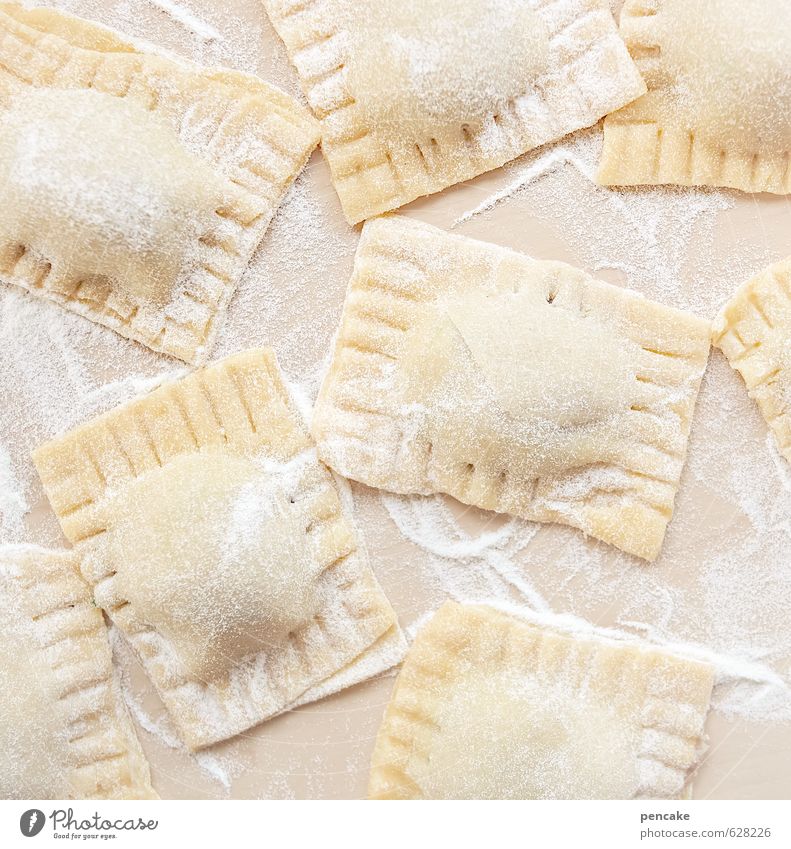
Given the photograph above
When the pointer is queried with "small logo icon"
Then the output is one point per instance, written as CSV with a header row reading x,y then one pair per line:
x,y
31,822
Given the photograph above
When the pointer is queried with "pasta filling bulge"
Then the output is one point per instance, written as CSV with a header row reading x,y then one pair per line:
x,y
492,360
406,71
728,68
66,197
215,554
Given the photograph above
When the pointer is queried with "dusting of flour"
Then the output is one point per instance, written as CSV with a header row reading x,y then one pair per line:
x,y
186,18
483,569
721,590
13,505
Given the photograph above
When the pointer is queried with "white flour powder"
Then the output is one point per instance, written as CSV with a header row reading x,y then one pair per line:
x,y
721,590
13,505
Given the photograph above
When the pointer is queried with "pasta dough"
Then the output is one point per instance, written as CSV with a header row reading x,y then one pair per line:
x,y
136,187
170,557
406,71
515,341
416,96
490,707
718,109
64,729
133,225
753,331
518,386
217,543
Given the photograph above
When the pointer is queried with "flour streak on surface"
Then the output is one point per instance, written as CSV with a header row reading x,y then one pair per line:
x,y
547,162
482,569
187,19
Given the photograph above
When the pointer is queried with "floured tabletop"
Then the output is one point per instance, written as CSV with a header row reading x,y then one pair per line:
x,y
721,588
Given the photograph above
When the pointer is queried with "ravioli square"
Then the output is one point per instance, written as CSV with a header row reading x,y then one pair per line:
x,y
65,732
414,97
515,385
218,544
488,706
135,187
718,107
753,331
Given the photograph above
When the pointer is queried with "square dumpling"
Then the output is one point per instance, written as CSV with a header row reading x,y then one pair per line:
x,y
753,331
135,187
515,385
488,706
65,732
718,107
416,96
217,542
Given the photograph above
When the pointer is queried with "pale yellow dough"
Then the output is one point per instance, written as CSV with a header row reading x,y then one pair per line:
x,y
718,107
414,96
488,706
135,187
135,219
753,330
514,385
246,548
64,729
216,541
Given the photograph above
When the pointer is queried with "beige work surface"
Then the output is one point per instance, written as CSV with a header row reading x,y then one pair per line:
x,y
722,585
